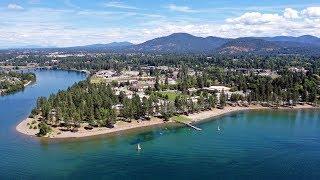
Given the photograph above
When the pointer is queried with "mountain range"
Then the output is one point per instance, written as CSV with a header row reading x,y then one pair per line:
x,y
187,43
180,43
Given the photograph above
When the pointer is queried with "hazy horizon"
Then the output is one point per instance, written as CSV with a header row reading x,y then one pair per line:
x,y
36,46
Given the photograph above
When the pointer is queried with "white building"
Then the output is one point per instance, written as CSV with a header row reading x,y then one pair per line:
x,y
217,88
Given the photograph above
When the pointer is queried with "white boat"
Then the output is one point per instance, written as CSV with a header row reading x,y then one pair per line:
x,y
218,128
138,147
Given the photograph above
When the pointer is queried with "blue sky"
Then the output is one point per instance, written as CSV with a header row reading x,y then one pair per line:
x,y
79,22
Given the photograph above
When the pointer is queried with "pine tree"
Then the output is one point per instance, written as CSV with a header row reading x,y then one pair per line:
x,y
223,99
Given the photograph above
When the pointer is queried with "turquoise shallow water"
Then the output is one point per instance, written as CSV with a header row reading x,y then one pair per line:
x,y
250,145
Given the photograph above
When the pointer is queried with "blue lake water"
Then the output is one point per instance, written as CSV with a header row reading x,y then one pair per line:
x,y
249,145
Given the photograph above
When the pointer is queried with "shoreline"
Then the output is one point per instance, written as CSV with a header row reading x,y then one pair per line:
x,y
206,115
11,68
202,116
28,83
4,93
23,126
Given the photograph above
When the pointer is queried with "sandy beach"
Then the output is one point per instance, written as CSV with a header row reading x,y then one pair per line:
x,y
219,112
23,127
228,109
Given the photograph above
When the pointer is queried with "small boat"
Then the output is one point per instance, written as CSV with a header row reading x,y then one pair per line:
x,y
138,147
218,128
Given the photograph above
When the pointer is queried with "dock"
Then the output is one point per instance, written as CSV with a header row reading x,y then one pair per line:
x,y
190,125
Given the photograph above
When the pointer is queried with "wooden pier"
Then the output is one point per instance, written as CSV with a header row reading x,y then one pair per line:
x,y
190,125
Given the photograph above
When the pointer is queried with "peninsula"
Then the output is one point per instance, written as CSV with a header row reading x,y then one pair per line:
x,y
115,100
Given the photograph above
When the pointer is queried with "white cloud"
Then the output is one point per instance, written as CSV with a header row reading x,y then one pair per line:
x,y
14,7
118,4
184,9
290,13
252,18
50,27
260,24
312,12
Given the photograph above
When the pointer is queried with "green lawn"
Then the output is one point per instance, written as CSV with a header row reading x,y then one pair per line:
x,y
181,118
171,95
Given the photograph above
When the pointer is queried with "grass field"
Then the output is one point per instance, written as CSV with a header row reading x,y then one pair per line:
x,y
181,118
171,94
